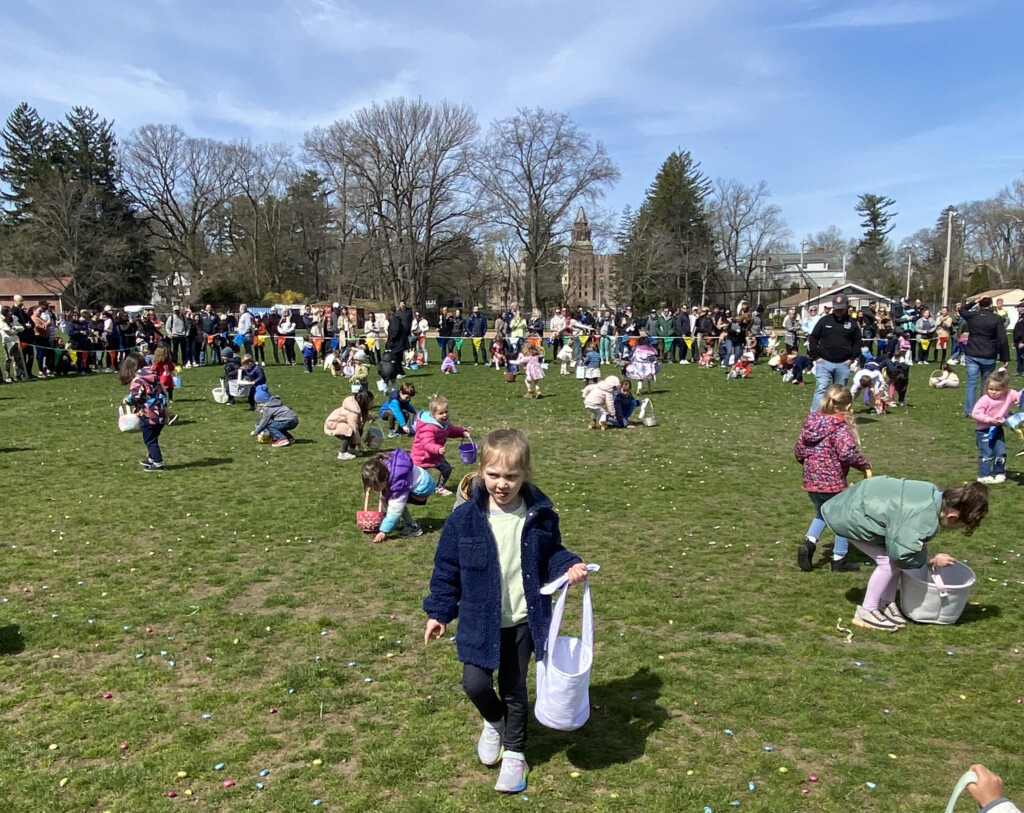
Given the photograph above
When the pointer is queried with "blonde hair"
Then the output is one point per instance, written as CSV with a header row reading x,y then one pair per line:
x,y
246,359
436,403
1000,379
532,350
838,400
508,446
161,354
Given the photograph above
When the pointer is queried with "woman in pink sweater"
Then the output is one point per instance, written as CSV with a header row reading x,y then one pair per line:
x,y
990,412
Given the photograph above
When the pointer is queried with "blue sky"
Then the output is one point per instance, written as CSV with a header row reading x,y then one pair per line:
x,y
920,100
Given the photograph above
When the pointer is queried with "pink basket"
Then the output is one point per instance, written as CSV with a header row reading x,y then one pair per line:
x,y
467,451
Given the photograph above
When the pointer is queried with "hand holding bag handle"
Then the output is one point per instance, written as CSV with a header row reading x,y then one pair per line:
x,y
961,786
563,580
563,675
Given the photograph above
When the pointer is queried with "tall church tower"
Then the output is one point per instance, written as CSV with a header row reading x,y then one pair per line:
x,y
581,232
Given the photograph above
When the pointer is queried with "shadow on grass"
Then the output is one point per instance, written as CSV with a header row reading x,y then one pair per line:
x,y
17,448
618,728
205,463
979,612
11,642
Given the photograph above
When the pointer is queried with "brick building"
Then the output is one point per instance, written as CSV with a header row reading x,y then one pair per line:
x,y
588,279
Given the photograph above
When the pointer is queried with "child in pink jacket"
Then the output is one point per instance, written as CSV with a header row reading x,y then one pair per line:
x,y
599,400
432,432
989,413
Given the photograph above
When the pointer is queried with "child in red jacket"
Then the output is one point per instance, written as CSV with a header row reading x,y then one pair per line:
x,y
432,432
163,366
828,447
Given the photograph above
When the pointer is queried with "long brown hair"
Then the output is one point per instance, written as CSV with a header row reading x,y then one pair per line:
x,y
970,500
132,363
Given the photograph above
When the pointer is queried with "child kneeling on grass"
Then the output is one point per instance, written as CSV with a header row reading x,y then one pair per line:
x,y
495,553
399,411
400,482
275,418
891,520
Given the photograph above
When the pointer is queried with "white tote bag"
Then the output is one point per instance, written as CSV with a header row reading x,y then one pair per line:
x,y
563,677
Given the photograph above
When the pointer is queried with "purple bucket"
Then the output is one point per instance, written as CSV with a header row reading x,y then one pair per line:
x,y
467,451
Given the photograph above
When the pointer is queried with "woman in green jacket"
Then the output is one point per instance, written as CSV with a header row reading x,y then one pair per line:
x,y
891,520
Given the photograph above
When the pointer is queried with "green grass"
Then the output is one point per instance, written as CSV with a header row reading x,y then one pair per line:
x,y
244,565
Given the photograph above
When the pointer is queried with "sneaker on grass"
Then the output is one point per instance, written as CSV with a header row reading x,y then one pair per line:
x,y
488,747
512,778
442,491
874,619
149,465
411,530
346,456
804,555
844,565
892,612
282,442
393,433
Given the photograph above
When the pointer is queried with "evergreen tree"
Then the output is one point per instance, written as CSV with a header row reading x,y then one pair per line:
x,y
873,256
70,218
24,157
675,203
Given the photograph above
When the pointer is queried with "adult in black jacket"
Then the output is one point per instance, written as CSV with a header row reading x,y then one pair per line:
x,y
398,334
986,343
404,315
833,344
455,328
683,331
1018,338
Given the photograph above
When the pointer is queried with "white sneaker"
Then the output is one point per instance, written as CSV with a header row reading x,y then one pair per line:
x,y
514,769
875,619
988,480
892,612
998,478
488,747
346,456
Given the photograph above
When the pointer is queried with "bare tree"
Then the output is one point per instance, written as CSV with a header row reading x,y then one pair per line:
x,y
534,168
261,174
60,242
180,185
828,241
408,165
747,227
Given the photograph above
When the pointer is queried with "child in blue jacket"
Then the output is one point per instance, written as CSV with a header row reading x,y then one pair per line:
x,y
399,411
254,372
495,553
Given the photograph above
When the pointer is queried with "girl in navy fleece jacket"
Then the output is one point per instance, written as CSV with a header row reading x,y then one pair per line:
x,y
496,551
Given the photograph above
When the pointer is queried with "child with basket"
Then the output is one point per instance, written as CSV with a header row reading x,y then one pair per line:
x,y
892,520
148,399
495,553
432,433
400,483
827,448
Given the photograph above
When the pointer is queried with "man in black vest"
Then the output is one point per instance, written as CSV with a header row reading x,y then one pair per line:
x,y
834,343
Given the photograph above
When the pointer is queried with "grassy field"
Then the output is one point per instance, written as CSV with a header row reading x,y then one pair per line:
x,y
228,612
